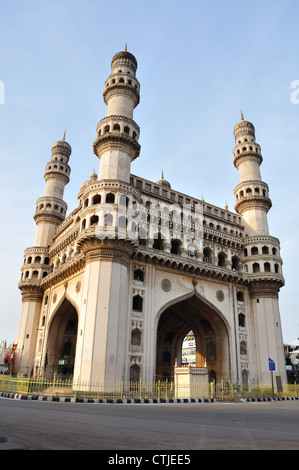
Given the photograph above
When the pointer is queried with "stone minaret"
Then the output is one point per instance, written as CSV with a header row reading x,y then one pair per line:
x,y
50,212
261,252
252,194
117,144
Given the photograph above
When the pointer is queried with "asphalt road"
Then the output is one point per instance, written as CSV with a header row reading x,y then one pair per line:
x,y
35,425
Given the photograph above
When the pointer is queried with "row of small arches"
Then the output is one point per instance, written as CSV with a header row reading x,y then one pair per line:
x,y
36,274
247,149
123,79
50,166
50,206
37,260
97,199
264,251
116,128
250,192
266,268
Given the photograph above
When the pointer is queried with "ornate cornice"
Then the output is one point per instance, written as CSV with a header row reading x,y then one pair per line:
x,y
253,202
64,272
124,88
247,156
31,290
116,140
96,248
265,287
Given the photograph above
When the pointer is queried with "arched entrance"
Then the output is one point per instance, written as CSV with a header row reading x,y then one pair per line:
x,y
62,338
210,333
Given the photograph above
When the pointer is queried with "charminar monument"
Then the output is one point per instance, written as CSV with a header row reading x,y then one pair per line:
x,y
110,291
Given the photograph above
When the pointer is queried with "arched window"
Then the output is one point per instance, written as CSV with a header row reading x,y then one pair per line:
x,y
136,335
106,129
137,303
235,263
138,275
94,220
243,347
254,250
207,256
267,267
175,247
256,268
265,250
276,267
96,199
241,318
110,198
240,296
116,128
221,259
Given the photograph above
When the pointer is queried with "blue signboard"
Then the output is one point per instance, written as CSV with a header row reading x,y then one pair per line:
x,y
271,364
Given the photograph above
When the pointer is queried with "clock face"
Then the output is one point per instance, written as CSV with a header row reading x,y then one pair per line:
x,y
192,250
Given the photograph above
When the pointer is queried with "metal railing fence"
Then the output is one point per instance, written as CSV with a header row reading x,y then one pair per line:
x,y
141,389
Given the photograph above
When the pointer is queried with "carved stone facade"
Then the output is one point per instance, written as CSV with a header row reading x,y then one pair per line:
x,y
110,291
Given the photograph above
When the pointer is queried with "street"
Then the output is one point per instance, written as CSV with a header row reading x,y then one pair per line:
x,y
36,425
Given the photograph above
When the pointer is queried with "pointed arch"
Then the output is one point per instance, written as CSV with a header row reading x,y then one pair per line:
x,y
176,318
62,339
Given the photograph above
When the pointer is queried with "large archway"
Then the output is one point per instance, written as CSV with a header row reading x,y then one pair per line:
x,y
210,333
62,338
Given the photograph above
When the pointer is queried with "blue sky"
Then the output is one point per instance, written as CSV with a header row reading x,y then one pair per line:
x,y
199,64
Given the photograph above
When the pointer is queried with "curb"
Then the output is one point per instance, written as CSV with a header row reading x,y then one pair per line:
x,y
20,396
245,400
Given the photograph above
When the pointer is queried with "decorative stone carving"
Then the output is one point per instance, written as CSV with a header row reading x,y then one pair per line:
x,y
166,285
220,295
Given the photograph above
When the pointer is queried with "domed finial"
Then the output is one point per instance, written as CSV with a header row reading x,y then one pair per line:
x,y
242,117
126,48
226,206
63,138
162,175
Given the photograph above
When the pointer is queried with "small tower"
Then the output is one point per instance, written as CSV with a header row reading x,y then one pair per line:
x,y
252,194
261,252
51,208
50,212
117,144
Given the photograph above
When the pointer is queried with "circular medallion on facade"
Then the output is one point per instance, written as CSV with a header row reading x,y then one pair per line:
x,y
54,298
166,285
78,286
220,295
